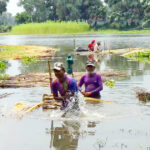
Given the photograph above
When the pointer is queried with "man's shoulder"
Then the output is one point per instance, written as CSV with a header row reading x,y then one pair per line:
x,y
55,82
98,75
70,79
84,76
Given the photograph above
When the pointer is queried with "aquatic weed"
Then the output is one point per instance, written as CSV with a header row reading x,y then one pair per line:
x,y
110,83
2,65
29,60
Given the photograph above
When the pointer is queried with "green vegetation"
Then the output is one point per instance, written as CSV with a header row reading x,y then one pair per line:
x,y
113,31
2,65
5,28
3,5
51,27
11,51
24,51
79,16
23,17
143,56
100,14
4,76
110,83
29,60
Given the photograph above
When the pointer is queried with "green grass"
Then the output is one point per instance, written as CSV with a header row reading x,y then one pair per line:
x,y
24,52
11,51
51,27
113,31
2,65
29,60
4,76
143,56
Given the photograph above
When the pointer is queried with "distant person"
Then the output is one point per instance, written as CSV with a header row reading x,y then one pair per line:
x,y
97,47
91,45
64,86
92,82
97,51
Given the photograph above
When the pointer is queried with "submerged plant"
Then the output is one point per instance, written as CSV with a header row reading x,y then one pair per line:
x,y
29,60
110,83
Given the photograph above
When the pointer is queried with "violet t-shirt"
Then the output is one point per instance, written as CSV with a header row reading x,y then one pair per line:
x,y
92,84
70,85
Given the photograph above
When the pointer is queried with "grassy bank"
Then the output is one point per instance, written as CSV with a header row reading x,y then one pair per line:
x,y
141,55
113,31
51,27
21,51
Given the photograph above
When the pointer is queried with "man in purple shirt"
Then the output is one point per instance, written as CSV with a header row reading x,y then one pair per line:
x,y
64,86
92,81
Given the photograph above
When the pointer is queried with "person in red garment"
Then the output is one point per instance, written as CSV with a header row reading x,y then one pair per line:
x,y
91,46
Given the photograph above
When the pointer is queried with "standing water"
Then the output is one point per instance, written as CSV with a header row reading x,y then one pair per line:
x,y
125,124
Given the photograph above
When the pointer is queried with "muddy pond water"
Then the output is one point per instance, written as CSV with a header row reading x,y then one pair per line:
x,y
125,124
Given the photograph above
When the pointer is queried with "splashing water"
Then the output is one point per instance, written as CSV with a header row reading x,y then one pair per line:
x,y
77,109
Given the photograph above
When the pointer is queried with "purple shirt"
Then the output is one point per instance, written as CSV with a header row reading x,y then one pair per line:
x,y
69,84
92,84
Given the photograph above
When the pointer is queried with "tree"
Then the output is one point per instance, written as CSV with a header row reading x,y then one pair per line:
x,y
7,19
67,10
23,17
50,6
3,4
36,9
125,13
146,22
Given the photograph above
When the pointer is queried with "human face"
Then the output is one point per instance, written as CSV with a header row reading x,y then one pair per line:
x,y
90,69
98,43
59,74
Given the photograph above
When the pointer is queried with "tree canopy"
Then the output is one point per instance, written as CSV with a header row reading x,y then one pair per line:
x,y
3,4
119,14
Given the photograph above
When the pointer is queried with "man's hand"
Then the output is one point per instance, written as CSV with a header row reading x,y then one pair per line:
x,y
68,95
86,93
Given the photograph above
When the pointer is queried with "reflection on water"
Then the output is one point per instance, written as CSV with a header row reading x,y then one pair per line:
x,y
14,68
65,136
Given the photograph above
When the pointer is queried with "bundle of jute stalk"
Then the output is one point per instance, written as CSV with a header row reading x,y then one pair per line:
x,y
49,102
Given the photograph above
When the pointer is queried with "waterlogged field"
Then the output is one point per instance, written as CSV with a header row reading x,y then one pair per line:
x,y
51,27
123,124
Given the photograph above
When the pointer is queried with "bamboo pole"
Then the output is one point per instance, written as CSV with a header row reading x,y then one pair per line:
x,y
33,108
97,100
50,75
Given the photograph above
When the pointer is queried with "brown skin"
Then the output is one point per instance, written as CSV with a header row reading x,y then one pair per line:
x,y
98,43
89,69
60,75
